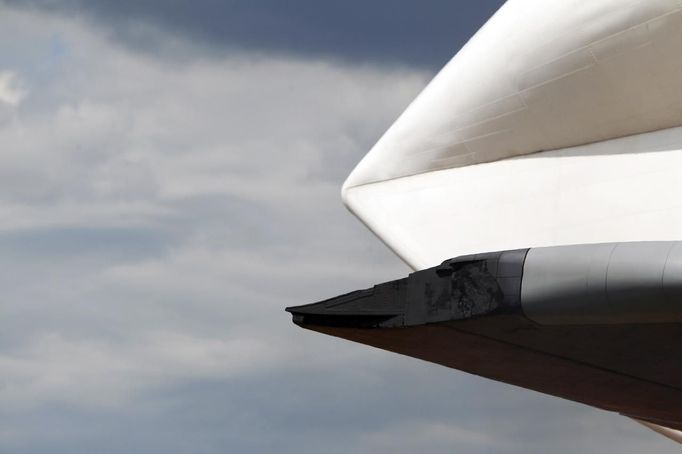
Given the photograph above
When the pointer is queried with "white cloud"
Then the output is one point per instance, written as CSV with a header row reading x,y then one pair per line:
x,y
117,128
415,436
230,163
88,372
11,91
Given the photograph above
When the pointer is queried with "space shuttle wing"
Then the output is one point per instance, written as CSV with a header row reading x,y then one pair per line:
x,y
597,324
555,137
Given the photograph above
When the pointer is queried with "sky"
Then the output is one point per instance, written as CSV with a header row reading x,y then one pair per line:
x,y
170,177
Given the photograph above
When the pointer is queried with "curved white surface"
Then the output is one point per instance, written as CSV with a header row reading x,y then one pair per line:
x,y
627,189
463,170
538,76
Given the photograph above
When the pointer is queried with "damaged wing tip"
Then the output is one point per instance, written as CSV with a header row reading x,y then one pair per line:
x,y
296,316
380,306
307,316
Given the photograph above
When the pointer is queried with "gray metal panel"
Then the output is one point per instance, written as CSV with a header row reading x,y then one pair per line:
x,y
635,283
638,282
566,284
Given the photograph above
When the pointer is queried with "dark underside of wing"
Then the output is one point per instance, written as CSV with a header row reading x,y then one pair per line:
x,y
633,370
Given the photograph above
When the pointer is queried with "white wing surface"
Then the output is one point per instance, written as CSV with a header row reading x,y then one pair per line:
x,y
558,123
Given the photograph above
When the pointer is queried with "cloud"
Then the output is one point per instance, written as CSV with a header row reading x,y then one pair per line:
x,y
436,436
135,131
86,372
425,34
157,218
10,89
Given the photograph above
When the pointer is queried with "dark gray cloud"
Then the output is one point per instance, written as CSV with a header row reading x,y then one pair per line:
x,y
411,32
